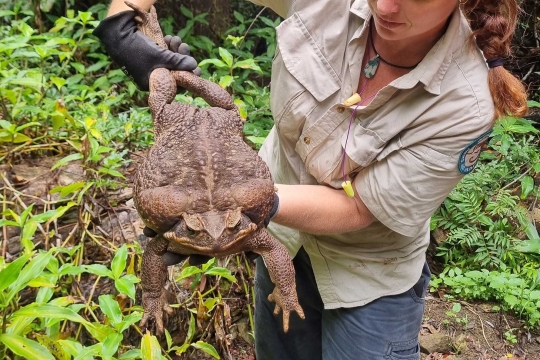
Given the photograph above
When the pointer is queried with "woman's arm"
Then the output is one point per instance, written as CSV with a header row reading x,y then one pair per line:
x,y
319,209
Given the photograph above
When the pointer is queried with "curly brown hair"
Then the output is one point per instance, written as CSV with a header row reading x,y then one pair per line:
x,y
493,23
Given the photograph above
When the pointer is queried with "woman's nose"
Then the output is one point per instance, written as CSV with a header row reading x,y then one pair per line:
x,y
388,6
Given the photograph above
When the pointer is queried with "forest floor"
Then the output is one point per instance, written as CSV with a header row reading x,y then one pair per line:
x,y
478,330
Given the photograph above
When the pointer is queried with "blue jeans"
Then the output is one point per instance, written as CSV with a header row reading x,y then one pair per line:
x,y
386,328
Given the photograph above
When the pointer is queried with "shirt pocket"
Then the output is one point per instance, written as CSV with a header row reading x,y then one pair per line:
x,y
301,77
328,164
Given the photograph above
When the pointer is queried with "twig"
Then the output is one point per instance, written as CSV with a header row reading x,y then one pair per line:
x,y
528,72
251,25
516,179
481,323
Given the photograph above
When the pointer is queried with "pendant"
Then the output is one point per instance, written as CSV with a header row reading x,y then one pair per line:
x,y
371,67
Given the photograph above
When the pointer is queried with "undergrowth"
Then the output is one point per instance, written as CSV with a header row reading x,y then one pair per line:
x,y
490,243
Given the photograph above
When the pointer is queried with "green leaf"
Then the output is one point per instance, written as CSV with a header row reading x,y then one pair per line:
x,y
54,347
131,354
99,270
217,63
90,352
219,271
150,348
28,82
15,138
85,16
109,306
111,172
51,312
26,348
527,186
511,300
191,330
187,13
168,338
531,231
239,17
52,214
4,222
118,263
188,272
126,286
248,64
241,108
207,348
29,272
58,82
79,67
179,350
68,189
258,140
129,320
111,343
71,347
10,273
226,81
226,56
65,160
26,29
97,66
99,331
533,104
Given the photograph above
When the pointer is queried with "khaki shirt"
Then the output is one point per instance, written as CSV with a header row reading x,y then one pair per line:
x,y
402,152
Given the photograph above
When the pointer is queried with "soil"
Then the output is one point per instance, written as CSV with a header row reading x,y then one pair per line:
x,y
482,329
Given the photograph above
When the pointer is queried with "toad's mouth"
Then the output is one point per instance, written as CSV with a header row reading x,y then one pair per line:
x,y
203,244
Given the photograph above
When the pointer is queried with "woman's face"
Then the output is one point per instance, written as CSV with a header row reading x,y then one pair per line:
x,y
402,19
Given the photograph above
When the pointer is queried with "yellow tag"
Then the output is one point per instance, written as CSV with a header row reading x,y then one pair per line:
x,y
348,188
355,99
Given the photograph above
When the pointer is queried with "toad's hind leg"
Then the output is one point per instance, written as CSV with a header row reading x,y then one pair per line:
x,y
162,92
281,270
148,24
154,277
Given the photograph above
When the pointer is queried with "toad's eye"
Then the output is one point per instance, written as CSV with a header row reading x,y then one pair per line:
x,y
190,231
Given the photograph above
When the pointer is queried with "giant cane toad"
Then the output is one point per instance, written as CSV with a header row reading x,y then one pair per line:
x,y
201,187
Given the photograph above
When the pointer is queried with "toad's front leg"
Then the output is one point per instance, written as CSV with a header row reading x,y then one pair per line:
x,y
281,270
154,277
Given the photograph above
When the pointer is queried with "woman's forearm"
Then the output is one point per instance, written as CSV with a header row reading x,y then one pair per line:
x,y
119,5
320,209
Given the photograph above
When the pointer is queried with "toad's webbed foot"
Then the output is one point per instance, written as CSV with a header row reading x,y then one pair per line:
x,y
148,24
153,309
286,302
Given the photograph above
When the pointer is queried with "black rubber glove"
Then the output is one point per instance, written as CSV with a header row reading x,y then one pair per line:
x,y
273,211
136,53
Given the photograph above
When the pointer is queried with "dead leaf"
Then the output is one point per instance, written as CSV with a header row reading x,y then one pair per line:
x,y
430,327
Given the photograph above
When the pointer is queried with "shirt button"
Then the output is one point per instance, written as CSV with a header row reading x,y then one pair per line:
x,y
307,140
340,109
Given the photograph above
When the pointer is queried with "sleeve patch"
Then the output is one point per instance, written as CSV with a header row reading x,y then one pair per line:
x,y
469,156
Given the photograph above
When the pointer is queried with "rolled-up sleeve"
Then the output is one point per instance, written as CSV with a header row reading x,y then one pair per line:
x,y
280,7
403,190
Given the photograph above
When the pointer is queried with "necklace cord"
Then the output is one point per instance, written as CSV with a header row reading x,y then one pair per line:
x,y
381,58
